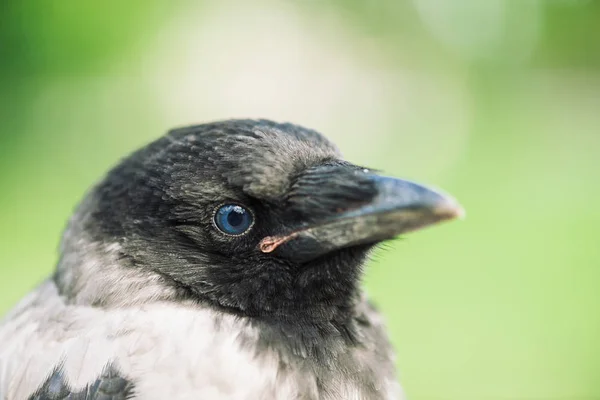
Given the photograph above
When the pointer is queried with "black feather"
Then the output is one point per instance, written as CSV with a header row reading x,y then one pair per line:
x,y
110,385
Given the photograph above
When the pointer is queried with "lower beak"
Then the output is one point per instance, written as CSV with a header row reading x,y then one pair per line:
x,y
398,207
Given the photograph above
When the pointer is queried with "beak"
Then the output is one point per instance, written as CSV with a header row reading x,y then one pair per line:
x,y
397,207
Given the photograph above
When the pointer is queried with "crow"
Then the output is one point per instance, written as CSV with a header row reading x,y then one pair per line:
x,y
221,261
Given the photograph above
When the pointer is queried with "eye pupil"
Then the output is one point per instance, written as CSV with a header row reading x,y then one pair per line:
x,y
233,219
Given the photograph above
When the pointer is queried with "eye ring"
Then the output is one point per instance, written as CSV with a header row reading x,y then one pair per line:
x,y
233,219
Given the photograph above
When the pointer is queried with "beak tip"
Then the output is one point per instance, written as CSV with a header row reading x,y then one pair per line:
x,y
449,209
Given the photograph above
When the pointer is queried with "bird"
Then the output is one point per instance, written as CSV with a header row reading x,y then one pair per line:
x,y
220,261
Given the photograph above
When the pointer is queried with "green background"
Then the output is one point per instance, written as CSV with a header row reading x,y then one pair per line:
x,y
496,101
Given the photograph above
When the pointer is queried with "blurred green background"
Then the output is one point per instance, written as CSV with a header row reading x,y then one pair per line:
x,y
496,101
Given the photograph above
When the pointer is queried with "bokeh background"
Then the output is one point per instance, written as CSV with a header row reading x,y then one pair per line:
x,y
496,101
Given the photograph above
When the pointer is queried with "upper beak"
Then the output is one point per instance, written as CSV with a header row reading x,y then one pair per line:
x,y
399,206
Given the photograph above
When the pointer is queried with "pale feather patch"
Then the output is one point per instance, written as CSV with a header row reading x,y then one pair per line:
x,y
167,350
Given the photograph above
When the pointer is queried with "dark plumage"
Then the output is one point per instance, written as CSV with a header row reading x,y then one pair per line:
x,y
248,235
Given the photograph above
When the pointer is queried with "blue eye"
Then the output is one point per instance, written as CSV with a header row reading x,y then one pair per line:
x,y
232,219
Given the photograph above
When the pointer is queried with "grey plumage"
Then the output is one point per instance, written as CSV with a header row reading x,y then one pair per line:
x,y
152,300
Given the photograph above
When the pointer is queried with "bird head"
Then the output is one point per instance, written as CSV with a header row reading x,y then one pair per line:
x,y
254,217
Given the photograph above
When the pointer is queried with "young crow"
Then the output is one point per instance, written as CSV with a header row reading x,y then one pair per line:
x,y
222,261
